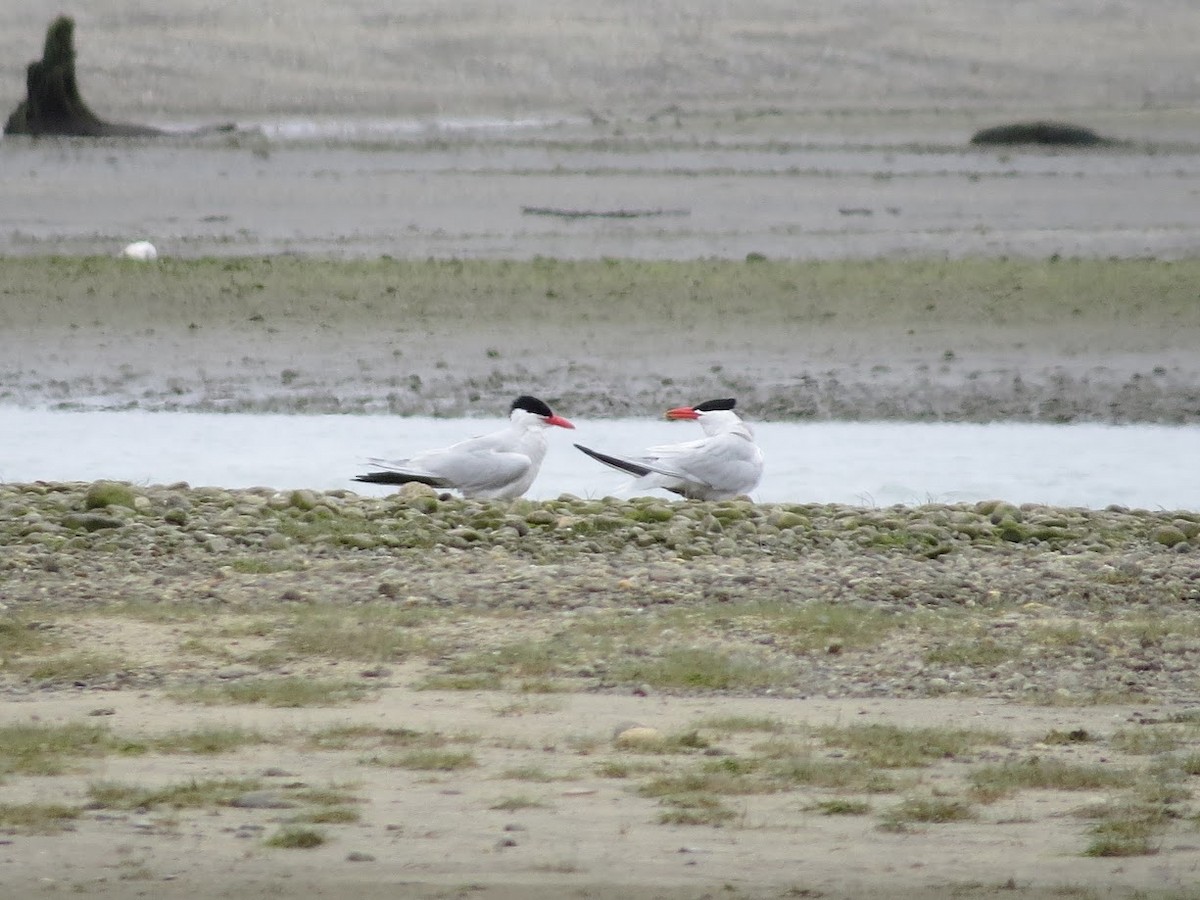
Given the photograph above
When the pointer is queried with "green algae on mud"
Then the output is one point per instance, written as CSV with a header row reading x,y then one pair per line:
x,y
970,340
44,291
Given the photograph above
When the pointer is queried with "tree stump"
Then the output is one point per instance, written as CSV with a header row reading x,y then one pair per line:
x,y
52,105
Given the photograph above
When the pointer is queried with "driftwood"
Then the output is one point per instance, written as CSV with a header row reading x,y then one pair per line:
x,y
600,213
52,104
1053,134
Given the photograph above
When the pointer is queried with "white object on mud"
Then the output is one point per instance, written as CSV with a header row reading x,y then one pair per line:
x,y
143,251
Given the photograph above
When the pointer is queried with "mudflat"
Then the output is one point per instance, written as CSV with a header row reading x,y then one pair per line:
x,y
972,340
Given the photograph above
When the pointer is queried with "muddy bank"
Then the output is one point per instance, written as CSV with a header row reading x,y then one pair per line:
x,y
1068,341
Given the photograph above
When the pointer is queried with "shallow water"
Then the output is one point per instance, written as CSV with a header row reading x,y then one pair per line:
x,y
854,463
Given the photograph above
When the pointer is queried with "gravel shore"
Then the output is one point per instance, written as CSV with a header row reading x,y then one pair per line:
x,y
1029,603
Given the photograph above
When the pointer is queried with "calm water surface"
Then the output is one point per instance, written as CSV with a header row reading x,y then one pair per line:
x,y
855,463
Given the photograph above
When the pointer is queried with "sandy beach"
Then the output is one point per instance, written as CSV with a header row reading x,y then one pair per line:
x,y
217,693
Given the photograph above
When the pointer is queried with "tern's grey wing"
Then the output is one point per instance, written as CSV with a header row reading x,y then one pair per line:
x,y
722,466
482,472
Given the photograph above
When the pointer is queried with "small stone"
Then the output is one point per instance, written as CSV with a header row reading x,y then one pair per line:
x,y
303,499
109,493
1169,536
90,521
261,800
638,736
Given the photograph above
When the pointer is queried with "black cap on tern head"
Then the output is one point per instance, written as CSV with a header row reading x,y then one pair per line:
x,y
715,405
531,405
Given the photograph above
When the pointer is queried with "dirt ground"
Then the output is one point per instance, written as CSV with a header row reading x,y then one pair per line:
x,y
440,834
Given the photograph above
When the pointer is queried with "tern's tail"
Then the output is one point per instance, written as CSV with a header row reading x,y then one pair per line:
x,y
616,462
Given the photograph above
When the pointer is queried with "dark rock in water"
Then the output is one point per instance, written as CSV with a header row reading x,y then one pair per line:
x,y
1054,134
52,104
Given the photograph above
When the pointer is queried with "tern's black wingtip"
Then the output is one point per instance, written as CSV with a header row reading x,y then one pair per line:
x,y
623,465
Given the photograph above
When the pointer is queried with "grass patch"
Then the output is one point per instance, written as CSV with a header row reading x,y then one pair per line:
x,y
696,809
36,818
1074,736
431,760
976,654
365,634
204,794
1146,741
294,837
333,795
20,636
513,804
727,725
820,626
893,747
329,815
842,806
259,565
926,810
196,646
292,692
769,774
623,768
84,666
790,766
1189,764
529,707
208,741
529,659
477,681
530,773
992,782
698,668
342,737
1123,837
726,776
156,613
48,749
544,686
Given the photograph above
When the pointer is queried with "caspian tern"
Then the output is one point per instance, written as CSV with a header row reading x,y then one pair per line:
x,y
724,464
496,466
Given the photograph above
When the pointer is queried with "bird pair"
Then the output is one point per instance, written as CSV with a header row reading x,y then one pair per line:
x,y
724,463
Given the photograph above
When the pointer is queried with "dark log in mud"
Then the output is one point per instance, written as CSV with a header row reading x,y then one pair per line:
x,y
1051,134
53,106
600,213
